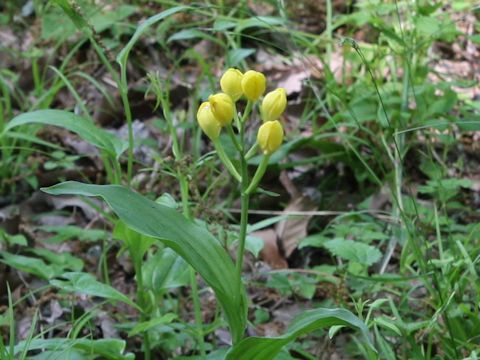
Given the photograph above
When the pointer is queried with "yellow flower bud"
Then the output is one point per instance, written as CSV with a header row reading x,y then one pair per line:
x,y
207,121
222,108
253,84
274,104
270,136
231,83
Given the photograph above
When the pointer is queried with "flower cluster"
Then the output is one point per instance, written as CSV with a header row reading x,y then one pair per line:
x,y
220,109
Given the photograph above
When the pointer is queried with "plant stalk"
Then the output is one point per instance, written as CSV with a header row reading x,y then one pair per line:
x,y
233,137
184,193
258,174
198,312
252,152
226,161
128,115
245,197
141,301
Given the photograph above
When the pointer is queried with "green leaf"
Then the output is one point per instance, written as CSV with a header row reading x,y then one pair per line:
x,y
32,139
55,25
103,20
236,56
475,38
445,189
68,232
434,186
83,283
191,241
165,270
266,348
254,244
353,251
167,200
111,349
265,223
137,244
223,24
76,18
59,355
74,123
471,124
147,325
18,239
188,34
259,21
59,261
28,264
316,240
427,25
122,56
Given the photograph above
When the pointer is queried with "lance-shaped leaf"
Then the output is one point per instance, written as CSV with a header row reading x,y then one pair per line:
x,y
188,239
83,283
266,348
79,125
122,56
110,349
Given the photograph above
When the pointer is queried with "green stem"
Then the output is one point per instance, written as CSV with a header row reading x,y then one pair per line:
x,y
141,301
242,236
252,152
438,232
329,32
3,167
235,116
104,59
107,166
193,280
36,78
198,312
168,117
128,116
118,170
184,195
103,261
246,113
226,161
233,137
244,211
258,174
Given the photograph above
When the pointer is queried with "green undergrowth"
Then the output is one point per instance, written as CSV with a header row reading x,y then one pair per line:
x,y
382,139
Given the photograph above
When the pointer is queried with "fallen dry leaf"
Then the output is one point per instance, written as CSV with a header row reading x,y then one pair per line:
x,y
270,252
292,230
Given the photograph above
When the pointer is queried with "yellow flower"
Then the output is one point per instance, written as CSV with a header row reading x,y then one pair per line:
x,y
231,83
253,84
274,104
222,108
207,121
270,136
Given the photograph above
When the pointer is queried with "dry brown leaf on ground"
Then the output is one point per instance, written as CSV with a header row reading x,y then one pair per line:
x,y
60,203
24,326
292,230
270,252
107,324
261,8
56,312
290,74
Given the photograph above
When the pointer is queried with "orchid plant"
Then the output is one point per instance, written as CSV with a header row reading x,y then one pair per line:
x,y
194,242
